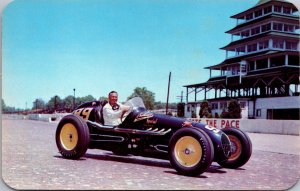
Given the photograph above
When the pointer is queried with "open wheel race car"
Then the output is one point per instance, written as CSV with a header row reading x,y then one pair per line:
x,y
189,146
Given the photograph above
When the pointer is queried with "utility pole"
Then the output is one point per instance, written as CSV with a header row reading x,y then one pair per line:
x,y
36,101
181,97
74,99
55,103
168,94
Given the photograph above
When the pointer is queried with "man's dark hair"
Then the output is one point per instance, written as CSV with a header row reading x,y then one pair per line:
x,y
112,93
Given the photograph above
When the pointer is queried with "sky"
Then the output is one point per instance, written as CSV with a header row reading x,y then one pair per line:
x,y
95,46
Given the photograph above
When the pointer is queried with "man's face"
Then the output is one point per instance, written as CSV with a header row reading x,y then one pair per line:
x,y
113,98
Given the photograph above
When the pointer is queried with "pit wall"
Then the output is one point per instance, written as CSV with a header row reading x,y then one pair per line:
x,y
284,127
47,117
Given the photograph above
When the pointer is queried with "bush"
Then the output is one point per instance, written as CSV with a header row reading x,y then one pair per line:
x,y
234,110
205,110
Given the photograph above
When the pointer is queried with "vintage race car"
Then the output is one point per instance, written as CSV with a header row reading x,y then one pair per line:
x,y
189,146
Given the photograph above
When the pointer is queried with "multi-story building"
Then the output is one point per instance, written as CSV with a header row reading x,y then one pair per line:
x,y
261,69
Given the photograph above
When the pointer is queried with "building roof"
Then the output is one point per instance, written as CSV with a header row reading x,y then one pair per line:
x,y
252,39
249,79
288,19
255,55
261,3
238,59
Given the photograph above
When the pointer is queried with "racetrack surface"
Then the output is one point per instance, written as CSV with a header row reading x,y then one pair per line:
x,y
30,160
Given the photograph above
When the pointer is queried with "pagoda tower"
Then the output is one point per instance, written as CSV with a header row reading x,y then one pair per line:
x,y
261,68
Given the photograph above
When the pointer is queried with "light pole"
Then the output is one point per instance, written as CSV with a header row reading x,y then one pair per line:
x,y
55,103
74,99
36,107
167,105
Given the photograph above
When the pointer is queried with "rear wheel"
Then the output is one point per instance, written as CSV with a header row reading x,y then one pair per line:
x,y
72,137
190,151
241,148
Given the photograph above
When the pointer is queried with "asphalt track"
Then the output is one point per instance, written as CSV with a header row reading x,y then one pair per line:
x,y
30,161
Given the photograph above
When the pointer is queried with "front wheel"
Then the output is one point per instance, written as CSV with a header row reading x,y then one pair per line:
x,y
72,137
241,148
191,151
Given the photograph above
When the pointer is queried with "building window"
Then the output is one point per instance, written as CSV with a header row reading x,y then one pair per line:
x,y
249,16
277,26
286,10
263,45
223,105
240,50
293,60
245,34
258,13
252,47
277,61
278,43
188,108
258,113
267,10
243,104
291,45
288,28
214,105
251,65
261,64
266,27
255,31
277,9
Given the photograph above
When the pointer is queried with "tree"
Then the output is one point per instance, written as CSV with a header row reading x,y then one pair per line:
x,y
55,103
3,105
180,109
147,96
205,110
103,98
68,102
234,109
81,100
39,103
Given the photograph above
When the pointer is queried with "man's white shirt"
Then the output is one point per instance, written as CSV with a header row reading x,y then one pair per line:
x,y
110,116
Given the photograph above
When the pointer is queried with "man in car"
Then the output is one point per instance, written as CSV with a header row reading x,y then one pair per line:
x,y
113,110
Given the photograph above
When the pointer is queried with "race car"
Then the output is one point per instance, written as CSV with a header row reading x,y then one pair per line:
x,y
190,147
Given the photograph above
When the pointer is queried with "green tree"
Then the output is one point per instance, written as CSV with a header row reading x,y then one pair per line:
x,y
81,100
180,109
147,96
39,103
103,98
55,103
159,105
205,110
3,105
68,102
8,109
234,109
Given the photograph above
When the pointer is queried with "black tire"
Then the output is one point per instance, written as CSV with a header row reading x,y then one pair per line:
x,y
241,150
72,137
191,151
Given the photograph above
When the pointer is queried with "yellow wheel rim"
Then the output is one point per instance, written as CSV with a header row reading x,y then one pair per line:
x,y
69,136
188,151
236,147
